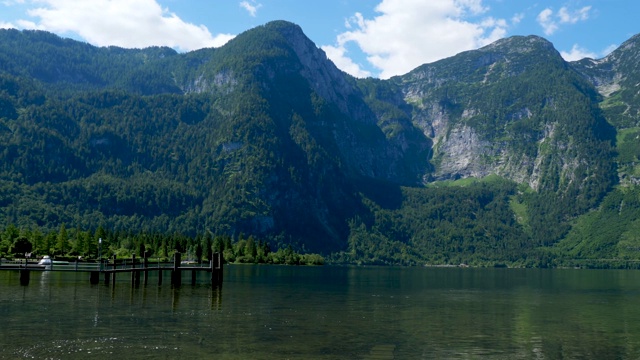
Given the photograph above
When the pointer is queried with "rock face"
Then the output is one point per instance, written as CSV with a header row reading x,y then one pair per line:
x,y
498,110
340,107
617,77
323,76
461,153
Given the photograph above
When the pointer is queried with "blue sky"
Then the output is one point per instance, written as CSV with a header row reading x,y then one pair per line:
x,y
379,38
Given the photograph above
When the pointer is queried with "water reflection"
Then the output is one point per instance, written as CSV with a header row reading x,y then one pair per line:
x,y
327,312
175,298
216,298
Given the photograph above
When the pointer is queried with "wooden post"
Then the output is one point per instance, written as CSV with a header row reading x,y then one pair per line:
x,y
220,267
214,273
146,266
193,277
159,277
176,276
114,271
25,276
176,260
134,274
216,269
94,278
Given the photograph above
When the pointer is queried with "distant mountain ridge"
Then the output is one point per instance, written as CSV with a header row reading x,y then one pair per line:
x,y
266,136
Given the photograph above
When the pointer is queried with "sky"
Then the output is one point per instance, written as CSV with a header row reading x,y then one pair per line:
x,y
365,38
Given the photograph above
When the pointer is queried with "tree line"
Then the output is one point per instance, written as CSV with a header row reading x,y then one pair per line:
x,y
72,244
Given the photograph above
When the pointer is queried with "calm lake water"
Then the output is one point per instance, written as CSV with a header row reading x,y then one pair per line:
x,y
281,312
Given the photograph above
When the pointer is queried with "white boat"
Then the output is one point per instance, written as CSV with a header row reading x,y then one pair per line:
x,y
46,260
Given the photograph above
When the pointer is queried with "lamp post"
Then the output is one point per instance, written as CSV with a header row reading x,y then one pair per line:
x,y
100,252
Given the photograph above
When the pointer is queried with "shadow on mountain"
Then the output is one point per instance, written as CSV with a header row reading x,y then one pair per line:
x,y
385,194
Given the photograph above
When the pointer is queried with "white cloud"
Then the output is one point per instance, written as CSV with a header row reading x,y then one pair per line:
x,y
551,22
609,49
337,54
251,7
578,53
5,25
517,18
567,17
125,23
409,33
545,19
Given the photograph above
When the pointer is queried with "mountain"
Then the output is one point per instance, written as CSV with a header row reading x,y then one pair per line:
x,y
492,156
516,109
616,77
237,139
501,109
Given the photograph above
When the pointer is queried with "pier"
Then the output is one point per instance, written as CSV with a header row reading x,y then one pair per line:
x,y
137,270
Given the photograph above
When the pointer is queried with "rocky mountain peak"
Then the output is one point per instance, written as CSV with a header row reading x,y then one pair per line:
x,y
519,44
323,76
616,77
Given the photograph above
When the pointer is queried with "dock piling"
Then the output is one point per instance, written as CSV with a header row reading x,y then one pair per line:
x,y
95,277
216,269
176,275
145,265
114,271
25,276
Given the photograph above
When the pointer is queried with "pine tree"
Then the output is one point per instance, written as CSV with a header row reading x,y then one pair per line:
x,y
90,245
79,245
250,248
62,241
37,239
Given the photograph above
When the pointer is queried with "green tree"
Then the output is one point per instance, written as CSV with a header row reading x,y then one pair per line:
x,y
62,241
163,252
250,249
90,245
262,252
37,239
50,242
79,245
198,251
207,246
9,236
218,245
21,246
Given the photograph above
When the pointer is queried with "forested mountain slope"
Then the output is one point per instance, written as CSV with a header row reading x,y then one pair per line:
x,y
493,156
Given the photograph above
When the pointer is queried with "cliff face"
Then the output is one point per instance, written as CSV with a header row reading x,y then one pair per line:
x,y
344,122
617,77
502,110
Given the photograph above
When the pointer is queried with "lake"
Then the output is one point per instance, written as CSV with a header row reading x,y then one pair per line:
x,y
327,312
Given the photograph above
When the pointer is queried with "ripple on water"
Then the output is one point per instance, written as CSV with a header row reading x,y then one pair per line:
x,y
90,348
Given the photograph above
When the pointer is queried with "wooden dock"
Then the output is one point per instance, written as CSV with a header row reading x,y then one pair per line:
x,y
137,269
